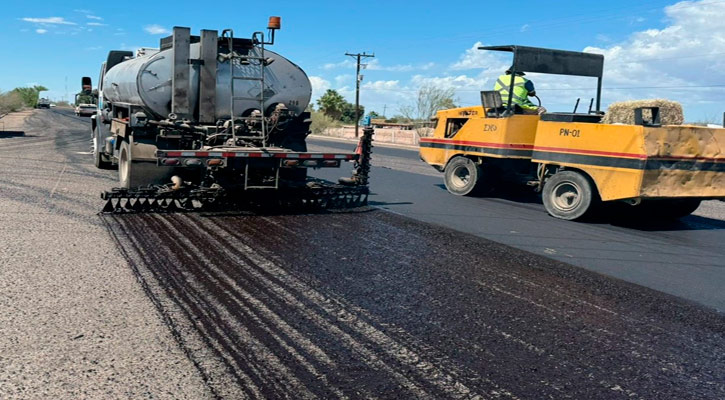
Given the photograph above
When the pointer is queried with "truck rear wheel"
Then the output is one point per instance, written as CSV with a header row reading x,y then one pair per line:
x,y
99,159
568,195
134,173
463,177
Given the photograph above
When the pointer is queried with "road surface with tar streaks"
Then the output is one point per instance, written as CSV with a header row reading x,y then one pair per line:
x,y
371,304
357,304
685,258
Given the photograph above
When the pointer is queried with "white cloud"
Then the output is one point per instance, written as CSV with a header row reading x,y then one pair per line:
x,y
82,11
95,24
474,58
94,17
41,31
687,52
382,85
130,48
342,64
375,65
319,86
342,80
156,30
603,38
49,20
524,28
460,82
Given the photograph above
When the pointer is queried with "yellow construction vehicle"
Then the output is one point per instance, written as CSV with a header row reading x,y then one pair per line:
x,y
573,159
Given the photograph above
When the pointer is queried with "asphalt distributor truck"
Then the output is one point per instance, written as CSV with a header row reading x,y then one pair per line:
x,y
209,119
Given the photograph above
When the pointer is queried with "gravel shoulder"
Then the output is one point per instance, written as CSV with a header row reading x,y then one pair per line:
x,y
74,321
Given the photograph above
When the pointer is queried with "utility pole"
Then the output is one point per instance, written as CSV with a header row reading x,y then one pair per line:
x,y
385,107
358,78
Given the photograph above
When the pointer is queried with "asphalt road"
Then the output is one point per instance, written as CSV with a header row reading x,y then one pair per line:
x,y
359,304
685,258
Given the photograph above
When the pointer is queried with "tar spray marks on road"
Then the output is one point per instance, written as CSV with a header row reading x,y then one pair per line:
x,y
371,304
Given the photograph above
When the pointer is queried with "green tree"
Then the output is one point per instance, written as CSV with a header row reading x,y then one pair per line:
x,y
321,123
30,94
348,113
373,114
332,104
396,119
82,98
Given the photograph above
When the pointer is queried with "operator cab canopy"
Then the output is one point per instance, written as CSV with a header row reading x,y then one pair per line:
x,y
557,62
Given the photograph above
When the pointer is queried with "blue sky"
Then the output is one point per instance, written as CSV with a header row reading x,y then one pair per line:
x,y
653,48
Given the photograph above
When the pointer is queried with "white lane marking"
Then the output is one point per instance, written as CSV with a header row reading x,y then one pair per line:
x,y
52,192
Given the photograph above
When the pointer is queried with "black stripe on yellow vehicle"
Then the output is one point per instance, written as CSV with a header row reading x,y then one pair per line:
x,y
477,148
641,163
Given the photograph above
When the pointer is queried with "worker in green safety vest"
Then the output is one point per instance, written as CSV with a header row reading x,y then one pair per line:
x,y
523,88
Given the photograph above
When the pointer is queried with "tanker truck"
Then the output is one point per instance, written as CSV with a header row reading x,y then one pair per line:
x,y
208,117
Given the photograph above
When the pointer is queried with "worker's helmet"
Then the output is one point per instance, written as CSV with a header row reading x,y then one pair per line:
x,y
511,68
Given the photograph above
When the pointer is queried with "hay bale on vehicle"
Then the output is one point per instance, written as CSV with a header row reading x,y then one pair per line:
x,y
622,112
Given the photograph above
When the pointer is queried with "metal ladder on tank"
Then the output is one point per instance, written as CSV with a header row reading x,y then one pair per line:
x,y
249,59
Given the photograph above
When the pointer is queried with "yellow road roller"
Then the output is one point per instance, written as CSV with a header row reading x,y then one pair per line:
x,y
574,159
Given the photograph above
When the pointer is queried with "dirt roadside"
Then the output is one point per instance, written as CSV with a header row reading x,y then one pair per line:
x,y
74,321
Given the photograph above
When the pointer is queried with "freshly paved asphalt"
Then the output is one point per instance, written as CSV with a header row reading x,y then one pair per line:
x,y
370,304
685,258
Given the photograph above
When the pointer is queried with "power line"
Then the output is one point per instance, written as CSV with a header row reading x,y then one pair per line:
x,y
358,78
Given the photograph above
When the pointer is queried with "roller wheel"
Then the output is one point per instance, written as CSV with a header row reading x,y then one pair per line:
x,y
463,177
134,173
99,159
568,195
667,208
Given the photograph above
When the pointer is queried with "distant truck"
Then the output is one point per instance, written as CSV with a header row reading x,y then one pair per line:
x,y
43,103
573,159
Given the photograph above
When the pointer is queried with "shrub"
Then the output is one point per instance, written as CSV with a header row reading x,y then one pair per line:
x,y
9,102
321,122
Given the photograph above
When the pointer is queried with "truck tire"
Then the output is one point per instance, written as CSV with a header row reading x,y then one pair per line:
x,y
463,177
295,135
568,195
134,173
99,159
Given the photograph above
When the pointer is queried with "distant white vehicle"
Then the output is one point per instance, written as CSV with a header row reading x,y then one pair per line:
x,y
85,110
43,103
